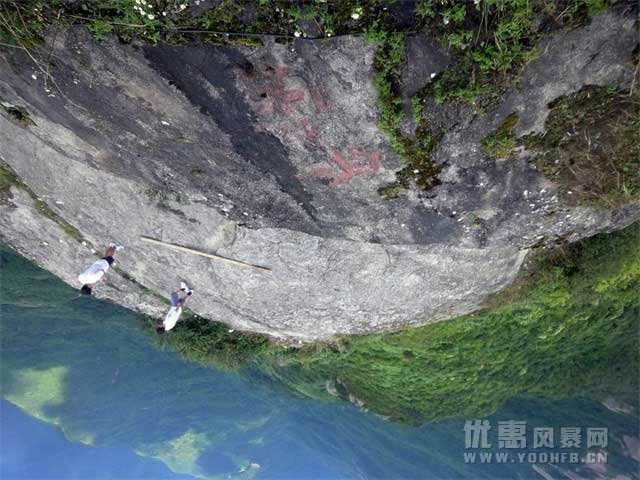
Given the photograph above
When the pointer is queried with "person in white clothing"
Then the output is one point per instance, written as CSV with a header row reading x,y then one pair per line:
x,y
178,300
95,272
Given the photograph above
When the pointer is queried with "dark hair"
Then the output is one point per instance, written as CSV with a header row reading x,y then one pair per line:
x,y
160,330
109,259
85,290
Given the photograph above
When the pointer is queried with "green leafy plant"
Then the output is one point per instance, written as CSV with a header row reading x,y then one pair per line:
x,y
455,14
425,9
460,40
100,29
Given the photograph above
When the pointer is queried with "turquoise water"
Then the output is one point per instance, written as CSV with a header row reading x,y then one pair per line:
x,y
88,394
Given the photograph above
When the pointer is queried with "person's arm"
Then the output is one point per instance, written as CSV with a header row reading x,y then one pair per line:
x,y
186,297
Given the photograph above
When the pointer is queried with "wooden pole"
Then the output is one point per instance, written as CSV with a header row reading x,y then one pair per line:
x,y
202,254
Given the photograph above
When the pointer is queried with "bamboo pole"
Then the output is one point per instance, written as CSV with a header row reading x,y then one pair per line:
x,y
180,248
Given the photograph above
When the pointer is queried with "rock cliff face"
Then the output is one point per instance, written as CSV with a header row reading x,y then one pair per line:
x,y
272,155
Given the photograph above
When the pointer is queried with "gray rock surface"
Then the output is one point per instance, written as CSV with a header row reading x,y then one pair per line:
x,y
273,156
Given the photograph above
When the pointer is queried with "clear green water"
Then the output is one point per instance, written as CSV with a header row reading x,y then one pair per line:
x,y
90,369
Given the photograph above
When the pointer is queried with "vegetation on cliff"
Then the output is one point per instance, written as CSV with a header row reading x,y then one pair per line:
x,y
568,326
211,343
494,39
589,147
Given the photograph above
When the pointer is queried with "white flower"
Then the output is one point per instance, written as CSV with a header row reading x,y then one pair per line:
x,y
34,76
183,6
355,15
151,16
416,171
445,20
433,74
164,14
297,33
328,34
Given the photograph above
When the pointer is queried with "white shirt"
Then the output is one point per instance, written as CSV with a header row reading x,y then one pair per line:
x,y
172,318
94,272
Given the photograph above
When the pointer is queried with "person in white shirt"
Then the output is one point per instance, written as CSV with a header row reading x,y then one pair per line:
x,y
178,300
95,272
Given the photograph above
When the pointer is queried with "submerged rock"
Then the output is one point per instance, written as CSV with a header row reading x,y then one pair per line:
x,y
272,156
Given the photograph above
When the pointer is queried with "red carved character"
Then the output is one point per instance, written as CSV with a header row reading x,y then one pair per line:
x,y
369,163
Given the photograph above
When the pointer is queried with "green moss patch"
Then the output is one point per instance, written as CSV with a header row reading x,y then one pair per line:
x,y
590,147
502,142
